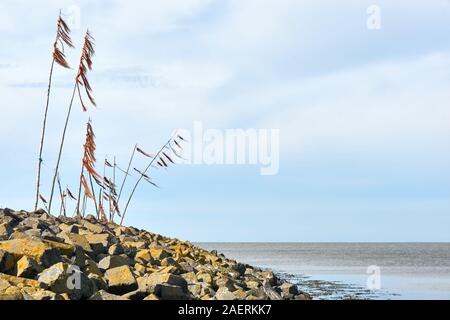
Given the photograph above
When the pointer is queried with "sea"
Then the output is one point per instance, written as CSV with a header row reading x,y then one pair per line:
x,y
418,271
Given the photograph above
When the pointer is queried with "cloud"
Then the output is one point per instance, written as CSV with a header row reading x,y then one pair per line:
x,y
392,105
345,99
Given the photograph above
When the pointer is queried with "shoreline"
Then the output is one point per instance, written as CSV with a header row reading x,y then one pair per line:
x,y
341,270
41,256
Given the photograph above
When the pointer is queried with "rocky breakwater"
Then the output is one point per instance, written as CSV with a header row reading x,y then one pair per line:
x,y
60,258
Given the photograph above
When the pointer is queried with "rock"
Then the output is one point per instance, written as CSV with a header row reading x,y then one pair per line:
x,y
103,295
135,295
169,262
190,277
170,292
253,284
224,294
116,249
303,296
49,235
6,261
257,294
28,267
92,268
4,285
240,294
121,280
19,235
34,233
44,216
289,288
269,278
37,250
30,293
195,289
98,242
91,218
140,269
33,223
225,282
11,293
121,231
99,282
63,248
64,278
21,282
78,240
271,293
135,245
114,262
150,281
169,269
159,253
95,228
205,277
110,262
69,228
143,256
79,257
241,268
5,231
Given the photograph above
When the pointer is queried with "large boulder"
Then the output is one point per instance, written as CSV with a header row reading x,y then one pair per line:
x,y
39,251
150,281
63,248
77,240
121,280
98,241
110,262
143,256
65,278
95,228
159,253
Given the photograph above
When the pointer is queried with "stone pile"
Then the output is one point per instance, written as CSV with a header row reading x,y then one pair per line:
x,y
60,258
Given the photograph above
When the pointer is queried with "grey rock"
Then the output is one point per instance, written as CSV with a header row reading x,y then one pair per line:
x,y
64,278
33,233
110,262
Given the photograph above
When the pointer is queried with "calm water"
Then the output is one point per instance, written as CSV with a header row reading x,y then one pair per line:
x,y
339,270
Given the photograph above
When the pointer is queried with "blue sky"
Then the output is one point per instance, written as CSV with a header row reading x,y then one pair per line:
x,y
364,115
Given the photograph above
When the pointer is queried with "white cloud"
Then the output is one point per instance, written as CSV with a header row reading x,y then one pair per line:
x,y
395,106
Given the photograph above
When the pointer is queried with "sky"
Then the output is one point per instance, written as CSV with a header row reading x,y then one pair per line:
x,y
362,112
